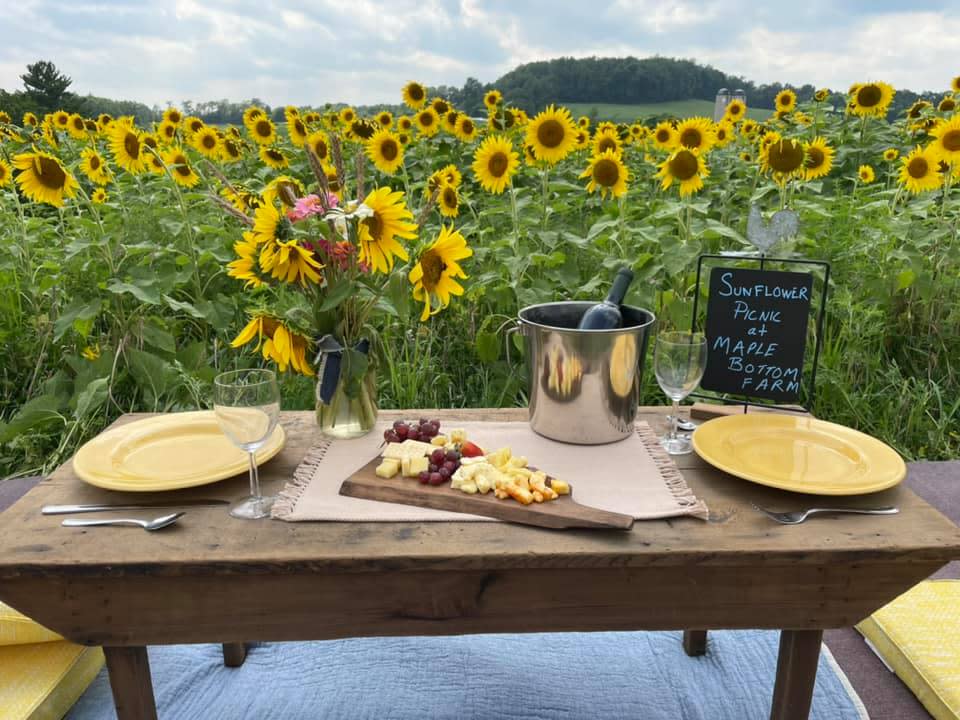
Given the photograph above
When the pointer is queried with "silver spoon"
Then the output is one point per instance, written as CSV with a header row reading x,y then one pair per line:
x,y
150,525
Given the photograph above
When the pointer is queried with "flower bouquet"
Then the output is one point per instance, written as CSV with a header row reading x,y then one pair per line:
x,y
321,268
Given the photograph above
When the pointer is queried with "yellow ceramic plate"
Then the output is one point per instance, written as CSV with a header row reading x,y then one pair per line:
x,y
799,453
166,452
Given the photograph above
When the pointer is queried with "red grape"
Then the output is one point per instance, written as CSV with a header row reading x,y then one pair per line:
x,y
402,431
386,434
444,473
413,434
399,424
436,478
423,421
434,467
436,425
438,456
452,455
450,466
424,477
391,436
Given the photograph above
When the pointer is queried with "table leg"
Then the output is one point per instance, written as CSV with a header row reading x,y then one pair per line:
x,y
695,642
796,673
234,654
130,681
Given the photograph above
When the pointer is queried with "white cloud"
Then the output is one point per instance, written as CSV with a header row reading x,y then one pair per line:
x,y
362,51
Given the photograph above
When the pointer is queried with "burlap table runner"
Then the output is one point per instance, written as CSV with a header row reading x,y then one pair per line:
x,y
634,476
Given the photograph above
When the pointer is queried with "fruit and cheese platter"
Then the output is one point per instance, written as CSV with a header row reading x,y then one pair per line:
x,y
421,466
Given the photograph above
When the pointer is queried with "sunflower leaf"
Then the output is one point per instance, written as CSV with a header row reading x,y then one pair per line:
x,y
336,295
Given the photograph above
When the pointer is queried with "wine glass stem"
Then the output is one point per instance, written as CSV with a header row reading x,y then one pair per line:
x,y
674,419
254,476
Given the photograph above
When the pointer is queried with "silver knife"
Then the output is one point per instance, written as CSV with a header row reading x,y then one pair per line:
x,y
65,509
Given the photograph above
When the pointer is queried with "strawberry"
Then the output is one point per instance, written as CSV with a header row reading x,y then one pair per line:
x,y
469,449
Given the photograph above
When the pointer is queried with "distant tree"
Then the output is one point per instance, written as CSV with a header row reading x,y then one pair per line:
x,y
47,87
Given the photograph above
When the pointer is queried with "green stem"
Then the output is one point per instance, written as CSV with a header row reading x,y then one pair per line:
x,y
545,186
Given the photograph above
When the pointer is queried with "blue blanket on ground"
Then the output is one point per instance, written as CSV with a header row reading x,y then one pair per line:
x,y
618,675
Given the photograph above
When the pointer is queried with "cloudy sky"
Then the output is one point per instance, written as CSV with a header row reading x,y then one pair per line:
x,y
362,51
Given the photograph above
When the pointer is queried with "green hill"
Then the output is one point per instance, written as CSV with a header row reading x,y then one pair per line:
x,y
676,108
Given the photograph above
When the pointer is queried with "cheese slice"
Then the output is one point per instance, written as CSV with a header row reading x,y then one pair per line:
x,y
409,448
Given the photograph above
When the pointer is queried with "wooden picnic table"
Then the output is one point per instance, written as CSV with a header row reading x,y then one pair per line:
x,y
214,579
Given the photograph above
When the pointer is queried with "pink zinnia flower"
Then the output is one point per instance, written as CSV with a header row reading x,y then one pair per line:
x,y
306,207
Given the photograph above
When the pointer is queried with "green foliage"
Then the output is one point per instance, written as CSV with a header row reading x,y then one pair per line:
x,y
630,113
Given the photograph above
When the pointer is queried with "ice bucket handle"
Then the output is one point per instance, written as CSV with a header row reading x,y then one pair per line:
x,y
517,327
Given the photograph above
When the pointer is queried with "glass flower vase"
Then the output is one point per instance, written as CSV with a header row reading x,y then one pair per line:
x,y
349,415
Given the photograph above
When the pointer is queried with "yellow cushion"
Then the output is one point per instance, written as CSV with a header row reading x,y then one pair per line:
x,y
918,635
18,629
44,680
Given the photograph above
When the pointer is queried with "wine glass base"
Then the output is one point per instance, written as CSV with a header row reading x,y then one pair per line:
x,y
253,508
677,446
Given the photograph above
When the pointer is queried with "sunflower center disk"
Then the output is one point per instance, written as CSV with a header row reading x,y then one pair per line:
x,y
815,158
132,145
374,226
869,95
918,168
433,267
450,197
606,173
786,156
389,150
951,141
50,174
497,164
691,138
550,133
684,166
606,144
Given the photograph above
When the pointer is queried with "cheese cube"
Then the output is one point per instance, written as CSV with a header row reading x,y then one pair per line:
x,y
388,468
560,487
500,458
458,435
439,440
409,448
413,466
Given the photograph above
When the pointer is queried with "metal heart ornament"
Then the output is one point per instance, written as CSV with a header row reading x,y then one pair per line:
x,y
764,235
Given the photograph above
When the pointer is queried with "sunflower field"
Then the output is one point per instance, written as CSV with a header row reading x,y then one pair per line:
x,y
136,260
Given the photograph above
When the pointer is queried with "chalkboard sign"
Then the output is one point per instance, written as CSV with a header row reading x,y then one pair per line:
x,y
756,332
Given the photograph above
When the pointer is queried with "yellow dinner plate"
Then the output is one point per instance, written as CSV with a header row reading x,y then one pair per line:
x,y
799,453
166,452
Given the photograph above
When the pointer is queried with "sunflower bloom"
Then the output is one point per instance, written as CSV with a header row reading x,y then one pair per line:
x,y
696,134
552,134
947,104
263,131
494,163
61,120
606,140
245,267
492,99
919,171
5,173
290,262
98,196
93,165
448,200
818,159
736,111
378,233
723,133
30,120
181,171
871,99
77,127
414,95
297,130
607,174
385,151
434,277
276,343
319,145
665,135
126,143
784,157
891,154
946,140
42,178
252,114
686,168
466,130
284,188
865,174
207,142
428,122
786,100
274,157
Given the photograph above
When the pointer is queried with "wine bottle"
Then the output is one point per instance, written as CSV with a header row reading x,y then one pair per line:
x,y
606,315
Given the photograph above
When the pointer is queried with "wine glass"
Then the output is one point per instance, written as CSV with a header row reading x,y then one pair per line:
x,y
679,361
247,406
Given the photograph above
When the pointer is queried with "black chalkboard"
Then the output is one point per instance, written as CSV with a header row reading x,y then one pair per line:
x,y
757,332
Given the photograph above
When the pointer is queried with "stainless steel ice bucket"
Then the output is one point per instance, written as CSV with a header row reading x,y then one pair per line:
x,y
584,385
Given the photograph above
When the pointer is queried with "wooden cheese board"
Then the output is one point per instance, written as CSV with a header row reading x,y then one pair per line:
x,y
564,512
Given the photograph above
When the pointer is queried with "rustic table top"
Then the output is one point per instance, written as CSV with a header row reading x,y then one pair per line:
x,y
208,541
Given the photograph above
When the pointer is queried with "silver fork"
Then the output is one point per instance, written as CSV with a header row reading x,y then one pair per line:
x,y
798,516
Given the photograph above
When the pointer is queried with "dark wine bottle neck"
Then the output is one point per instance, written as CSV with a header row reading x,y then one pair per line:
x,y
619,288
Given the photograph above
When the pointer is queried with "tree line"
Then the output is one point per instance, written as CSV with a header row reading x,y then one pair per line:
x,y
532,86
